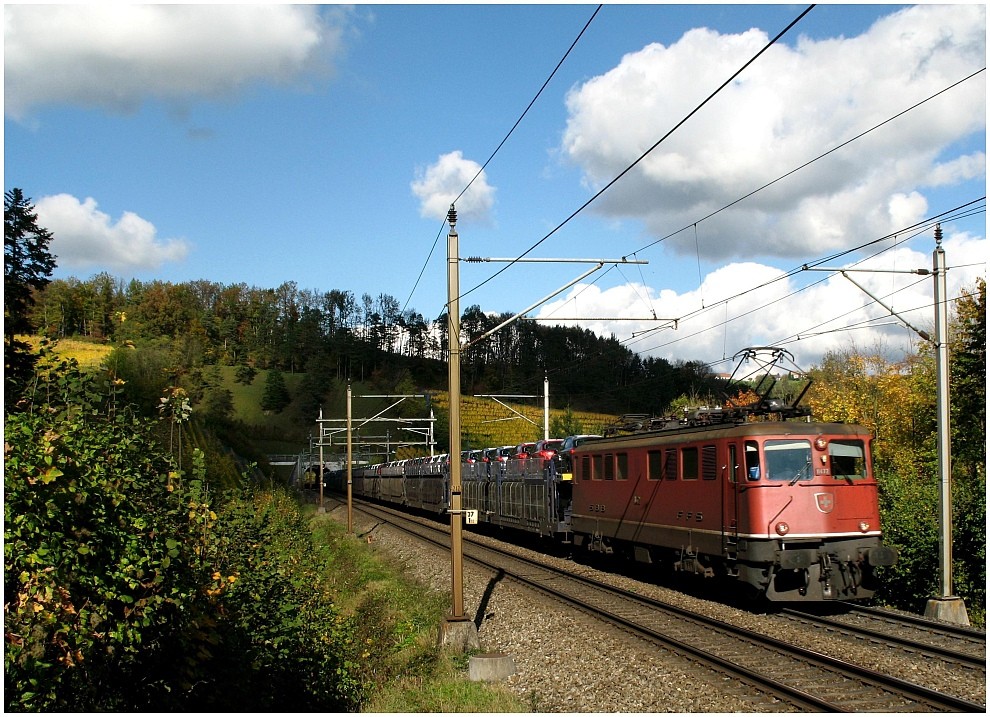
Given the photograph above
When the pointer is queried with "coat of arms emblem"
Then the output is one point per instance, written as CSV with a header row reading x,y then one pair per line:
x,y
825,502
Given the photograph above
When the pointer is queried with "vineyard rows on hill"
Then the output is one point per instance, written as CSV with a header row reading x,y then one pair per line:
x,y
486,423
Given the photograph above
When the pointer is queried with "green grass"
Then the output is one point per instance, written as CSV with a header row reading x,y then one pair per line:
x,y
403,666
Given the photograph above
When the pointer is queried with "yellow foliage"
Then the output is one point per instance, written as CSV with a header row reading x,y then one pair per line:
x,y
868,390
87,353
485,423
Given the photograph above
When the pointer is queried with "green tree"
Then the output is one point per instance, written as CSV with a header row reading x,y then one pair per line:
x,y
218,404
276,395
245,374
27,267
565,425
968,374
968,370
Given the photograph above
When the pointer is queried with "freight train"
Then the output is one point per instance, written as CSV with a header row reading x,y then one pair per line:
x,y
784,509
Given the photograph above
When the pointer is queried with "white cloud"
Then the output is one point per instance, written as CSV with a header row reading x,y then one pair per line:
x,y
791,105
764,308
439,184
116,56
85,237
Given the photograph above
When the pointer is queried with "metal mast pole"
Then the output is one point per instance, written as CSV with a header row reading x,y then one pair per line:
x,y
457,630
946,606
942,406
350,508
454,390
546,408
321,509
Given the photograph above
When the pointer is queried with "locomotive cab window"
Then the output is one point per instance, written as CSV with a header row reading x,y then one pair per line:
x,y
847,459
752,460
609,467
788,459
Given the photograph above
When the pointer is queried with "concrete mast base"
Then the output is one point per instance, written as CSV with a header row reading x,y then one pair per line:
x,y
948,609
459,634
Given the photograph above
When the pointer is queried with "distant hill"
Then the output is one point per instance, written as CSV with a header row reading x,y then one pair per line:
x,y
484,422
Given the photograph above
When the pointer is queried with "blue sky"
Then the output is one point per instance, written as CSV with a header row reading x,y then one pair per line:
x,y
322,145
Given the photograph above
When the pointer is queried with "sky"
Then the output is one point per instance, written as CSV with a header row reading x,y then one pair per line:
x,y
324,145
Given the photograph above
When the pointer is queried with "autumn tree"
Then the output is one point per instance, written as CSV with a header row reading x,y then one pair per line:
x,y
896,402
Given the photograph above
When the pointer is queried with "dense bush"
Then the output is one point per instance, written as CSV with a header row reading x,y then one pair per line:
x,y
99,589
284,645
132,585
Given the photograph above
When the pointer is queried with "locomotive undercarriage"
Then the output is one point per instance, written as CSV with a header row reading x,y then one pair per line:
x,y
833,570
780,571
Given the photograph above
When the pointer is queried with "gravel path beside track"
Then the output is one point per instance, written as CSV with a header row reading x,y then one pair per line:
x,y
567,662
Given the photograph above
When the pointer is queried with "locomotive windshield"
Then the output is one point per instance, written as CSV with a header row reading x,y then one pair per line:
x,y
848,459
788,459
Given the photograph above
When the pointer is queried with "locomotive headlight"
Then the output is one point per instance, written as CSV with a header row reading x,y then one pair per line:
x,y
783,528
820,443
864,526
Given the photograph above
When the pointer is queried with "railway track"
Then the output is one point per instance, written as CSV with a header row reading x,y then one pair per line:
x,y
804,679
927,638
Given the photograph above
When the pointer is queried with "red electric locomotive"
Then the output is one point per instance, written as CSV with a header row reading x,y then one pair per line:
x,y
787,508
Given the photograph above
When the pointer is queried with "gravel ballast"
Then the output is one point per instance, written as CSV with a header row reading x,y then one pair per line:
x,y
569,662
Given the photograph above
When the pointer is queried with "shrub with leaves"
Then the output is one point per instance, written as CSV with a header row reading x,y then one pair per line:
x,y
283,644
129,585
97,587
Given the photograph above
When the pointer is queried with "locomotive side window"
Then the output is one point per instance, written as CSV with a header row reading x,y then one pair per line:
x,y
670,464
689,463
621,466
709,471
596,466
752,460
654,465
788,459
847,459
586,467
609,467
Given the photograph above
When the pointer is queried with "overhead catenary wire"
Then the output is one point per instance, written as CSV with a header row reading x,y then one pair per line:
x,y
643,156
845,143
918,227
812,161
496,150
959,213
901,236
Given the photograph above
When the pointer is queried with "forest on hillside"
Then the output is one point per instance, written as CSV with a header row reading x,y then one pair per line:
x,y
333,336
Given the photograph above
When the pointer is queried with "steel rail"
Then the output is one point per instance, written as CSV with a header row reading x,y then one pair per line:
x,y
894,686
